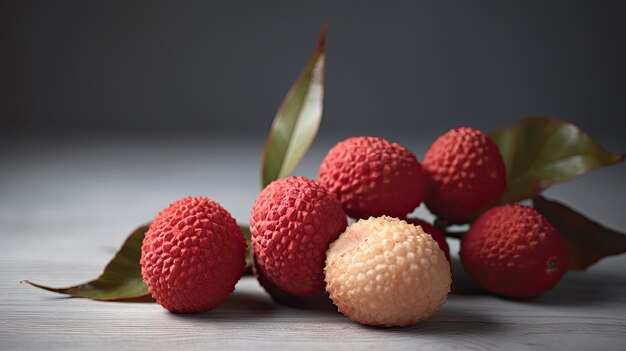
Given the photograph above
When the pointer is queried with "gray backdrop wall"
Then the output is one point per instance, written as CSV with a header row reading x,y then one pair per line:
x,y
224,66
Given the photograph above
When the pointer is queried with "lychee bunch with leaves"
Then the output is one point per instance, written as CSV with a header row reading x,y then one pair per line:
x,y
467,177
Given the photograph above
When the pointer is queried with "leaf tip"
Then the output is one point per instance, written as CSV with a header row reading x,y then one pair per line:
x,y
280,156
26,281
321,41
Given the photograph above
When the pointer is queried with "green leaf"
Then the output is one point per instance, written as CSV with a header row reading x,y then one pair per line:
x,y
539,152
586,241
297,120
121,279
246,233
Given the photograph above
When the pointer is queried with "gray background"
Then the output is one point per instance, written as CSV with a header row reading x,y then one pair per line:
x,y
222,67
130,105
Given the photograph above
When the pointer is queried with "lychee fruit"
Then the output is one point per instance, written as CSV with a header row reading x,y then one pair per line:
x,y
373,177
293,222
192,255
465,175
513,250
439,237
315,302
386,272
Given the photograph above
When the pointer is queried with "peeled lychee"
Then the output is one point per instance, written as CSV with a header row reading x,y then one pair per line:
x,y
513,250
439,237
465,175
192,256
293,222
373,177
386,272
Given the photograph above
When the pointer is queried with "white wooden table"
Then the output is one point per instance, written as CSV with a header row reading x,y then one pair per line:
x,y
65,207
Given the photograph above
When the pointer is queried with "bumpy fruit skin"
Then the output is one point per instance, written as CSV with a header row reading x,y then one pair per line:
x,y
439,237
293,222
373,177
387,272
192,255
316,302
513,250
465,175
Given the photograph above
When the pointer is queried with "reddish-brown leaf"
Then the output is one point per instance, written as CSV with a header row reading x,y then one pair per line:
x,y
586,241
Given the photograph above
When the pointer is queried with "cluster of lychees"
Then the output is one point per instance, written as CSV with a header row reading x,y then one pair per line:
x,y
384,269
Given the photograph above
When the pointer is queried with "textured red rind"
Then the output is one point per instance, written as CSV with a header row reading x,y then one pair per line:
x,y
192,255
513,250
465,175
439,237
314,302
373,177
293,222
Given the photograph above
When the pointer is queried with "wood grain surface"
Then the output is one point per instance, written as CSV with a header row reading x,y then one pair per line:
x,y
65,207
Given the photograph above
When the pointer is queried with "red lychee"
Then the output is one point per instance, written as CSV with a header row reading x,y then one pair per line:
x,y
439,237
373,177
293,222
465,175
513,250
192,256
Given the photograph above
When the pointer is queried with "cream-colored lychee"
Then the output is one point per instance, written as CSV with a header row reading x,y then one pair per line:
x,y
386,272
